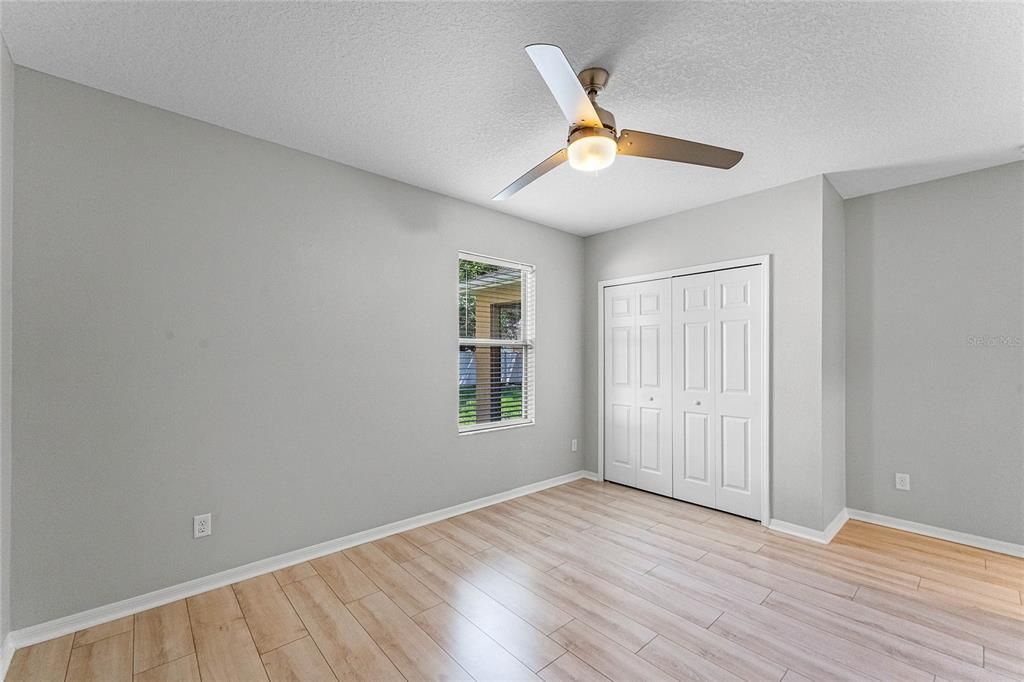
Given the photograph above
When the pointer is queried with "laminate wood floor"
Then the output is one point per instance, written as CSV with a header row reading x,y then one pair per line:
x,y
586,581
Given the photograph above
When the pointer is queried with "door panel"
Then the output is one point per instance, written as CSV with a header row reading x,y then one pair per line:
x,y
651,302
654,395
620,355
693,343
696,365
638,390
738,400
651,442
716,326
650,356
620,432
734,294
697,296
696,464
735,453
735,356
620,384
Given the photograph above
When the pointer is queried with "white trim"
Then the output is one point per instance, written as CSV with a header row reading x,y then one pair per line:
x,y
494,260
102,614
488,428
688,270
494,343
825,536
820,536
992,545
837,523
600,380
6,654
764,261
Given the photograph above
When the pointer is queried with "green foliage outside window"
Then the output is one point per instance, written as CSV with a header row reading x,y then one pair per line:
x,y
468,271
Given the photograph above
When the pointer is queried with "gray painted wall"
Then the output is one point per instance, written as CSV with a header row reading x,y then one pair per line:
x,y
787,223
833,353
207,322
6,234
929,267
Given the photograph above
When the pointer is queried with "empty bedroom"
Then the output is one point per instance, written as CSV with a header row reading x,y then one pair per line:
x,y
562,341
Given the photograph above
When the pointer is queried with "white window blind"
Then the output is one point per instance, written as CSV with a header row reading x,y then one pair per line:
x,y
496,328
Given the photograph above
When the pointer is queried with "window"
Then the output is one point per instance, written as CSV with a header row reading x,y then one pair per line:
x,y
495,343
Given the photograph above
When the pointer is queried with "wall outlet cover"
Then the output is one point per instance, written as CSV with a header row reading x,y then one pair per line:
x,y
575,445
902,481
202,525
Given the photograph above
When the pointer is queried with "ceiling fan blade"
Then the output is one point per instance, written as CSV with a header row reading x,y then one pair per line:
x,y
548,164
651,146
564,84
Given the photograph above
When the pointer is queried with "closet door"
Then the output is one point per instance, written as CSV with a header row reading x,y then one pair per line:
x,y
739,317
620,383
638,390
654,392
693,358
716,424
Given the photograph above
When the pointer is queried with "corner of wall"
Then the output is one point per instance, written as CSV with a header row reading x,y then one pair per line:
x,y
833,352
6,233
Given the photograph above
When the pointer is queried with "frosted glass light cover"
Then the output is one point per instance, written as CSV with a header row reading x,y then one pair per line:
x,y
592,153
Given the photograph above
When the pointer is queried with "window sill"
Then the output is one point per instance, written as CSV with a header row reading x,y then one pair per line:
x,y
472,431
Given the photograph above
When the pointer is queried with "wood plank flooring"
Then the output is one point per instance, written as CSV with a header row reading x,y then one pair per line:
x,y
586,581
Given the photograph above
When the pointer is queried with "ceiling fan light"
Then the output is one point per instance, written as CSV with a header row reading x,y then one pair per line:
x,y
592,152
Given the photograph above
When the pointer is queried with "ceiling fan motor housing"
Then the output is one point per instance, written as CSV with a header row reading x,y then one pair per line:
x,y
594,81
607,128
607,119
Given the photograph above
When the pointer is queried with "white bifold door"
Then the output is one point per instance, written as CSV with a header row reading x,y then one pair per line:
x,y
682,388
638,385
716,425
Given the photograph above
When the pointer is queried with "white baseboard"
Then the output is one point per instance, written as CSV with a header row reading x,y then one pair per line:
x,y
820,536
6,654
824,537
102,614
589,475
978,541
837,524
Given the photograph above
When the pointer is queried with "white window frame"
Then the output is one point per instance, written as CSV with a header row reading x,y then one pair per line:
x,y
527,343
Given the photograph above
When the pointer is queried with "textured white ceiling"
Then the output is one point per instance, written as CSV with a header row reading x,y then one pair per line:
x,y
442,95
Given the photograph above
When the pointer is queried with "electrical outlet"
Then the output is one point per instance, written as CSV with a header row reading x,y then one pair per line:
x,y
902,481
575,445
202,525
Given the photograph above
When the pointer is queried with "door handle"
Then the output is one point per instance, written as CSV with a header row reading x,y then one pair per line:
x,y
652,398
697,402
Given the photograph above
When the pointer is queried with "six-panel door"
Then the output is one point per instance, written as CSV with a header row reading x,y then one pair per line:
x,y
683,388
654,392
738,320
693,381
620,383
638,391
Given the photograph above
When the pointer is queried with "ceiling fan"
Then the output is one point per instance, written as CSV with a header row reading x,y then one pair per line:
x,y
592,143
